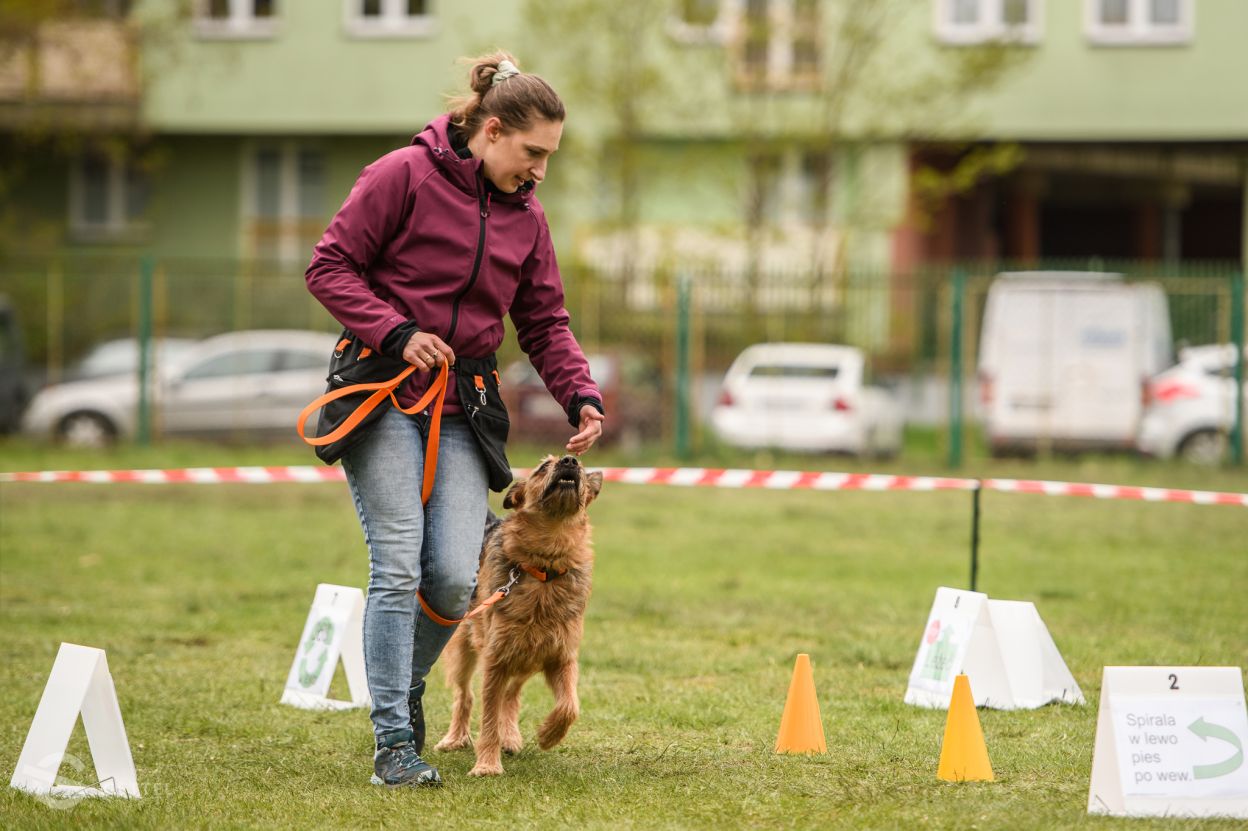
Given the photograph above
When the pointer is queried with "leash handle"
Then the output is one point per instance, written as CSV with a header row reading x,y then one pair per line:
x,y
382,390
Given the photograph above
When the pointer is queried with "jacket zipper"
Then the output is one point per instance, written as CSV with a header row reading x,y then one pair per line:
x,y
483,200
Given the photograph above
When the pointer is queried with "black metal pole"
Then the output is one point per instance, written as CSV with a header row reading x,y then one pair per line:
x,y
975,533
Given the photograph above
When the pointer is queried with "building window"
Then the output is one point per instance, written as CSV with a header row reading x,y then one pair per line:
x,y
789,186
983,21
236,18
107,198
805,39
1139,22
284,188
779,44
763,201
698,21
389,18
814,185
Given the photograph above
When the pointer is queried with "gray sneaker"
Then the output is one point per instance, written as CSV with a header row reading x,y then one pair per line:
x,y
397,764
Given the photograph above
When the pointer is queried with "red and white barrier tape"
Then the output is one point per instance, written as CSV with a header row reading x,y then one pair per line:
x,y
678,476
190,475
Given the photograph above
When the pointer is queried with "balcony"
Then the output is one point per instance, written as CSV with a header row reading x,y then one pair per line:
x,y
76,74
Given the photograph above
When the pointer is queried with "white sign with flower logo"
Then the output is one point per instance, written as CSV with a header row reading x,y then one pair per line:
x,y
1003,647
334,628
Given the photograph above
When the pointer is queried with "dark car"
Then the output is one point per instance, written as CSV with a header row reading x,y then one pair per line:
x,y
14,391
631,391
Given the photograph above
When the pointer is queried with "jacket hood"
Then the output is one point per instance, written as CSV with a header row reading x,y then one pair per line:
x,y
465,174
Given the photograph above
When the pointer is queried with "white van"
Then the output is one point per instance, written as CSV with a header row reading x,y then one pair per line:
x,y
1064,358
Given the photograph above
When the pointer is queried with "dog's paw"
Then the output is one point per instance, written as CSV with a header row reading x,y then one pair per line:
x,y
483,769
450,742
513,744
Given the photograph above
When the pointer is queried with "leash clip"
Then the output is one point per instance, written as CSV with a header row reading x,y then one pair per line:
x,y
515,576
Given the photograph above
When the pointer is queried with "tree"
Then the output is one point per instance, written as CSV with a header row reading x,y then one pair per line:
x,y
846,83
612,62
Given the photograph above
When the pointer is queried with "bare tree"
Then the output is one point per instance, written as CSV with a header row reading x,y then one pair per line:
x,y
845,84
613,62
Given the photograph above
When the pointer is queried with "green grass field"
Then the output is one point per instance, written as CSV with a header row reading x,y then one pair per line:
x,y
702,599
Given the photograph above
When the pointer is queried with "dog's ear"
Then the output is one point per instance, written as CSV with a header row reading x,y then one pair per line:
x,y
515,495
595,484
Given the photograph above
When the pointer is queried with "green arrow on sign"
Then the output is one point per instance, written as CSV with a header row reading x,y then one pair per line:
x,y
1207,731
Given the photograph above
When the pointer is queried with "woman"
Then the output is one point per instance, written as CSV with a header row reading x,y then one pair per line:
x,y
434,245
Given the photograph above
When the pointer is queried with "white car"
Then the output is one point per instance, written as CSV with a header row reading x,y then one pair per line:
x,y
1191,406
805,397
240,383
121,357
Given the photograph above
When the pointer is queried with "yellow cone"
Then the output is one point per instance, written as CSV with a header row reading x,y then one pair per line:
x,y
801,730
963,754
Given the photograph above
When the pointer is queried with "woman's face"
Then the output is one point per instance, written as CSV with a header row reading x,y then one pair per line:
x,y
512,158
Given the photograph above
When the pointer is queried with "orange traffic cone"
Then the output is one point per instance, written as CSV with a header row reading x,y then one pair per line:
x,y
963,753
801,730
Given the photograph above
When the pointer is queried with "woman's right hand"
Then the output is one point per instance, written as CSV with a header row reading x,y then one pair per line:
x,y
426,350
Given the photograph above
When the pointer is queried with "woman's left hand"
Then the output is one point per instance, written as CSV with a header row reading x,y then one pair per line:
x,y
589,431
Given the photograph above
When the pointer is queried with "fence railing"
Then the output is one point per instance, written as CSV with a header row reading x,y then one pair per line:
x,y
905,323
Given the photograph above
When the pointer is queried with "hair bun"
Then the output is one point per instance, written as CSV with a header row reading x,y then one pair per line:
x,y
499,89
482,75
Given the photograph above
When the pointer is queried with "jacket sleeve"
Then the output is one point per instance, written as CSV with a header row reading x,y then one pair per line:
x,y
377,205
542,325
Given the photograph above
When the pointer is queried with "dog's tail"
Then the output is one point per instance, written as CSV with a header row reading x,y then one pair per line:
x,y
492,521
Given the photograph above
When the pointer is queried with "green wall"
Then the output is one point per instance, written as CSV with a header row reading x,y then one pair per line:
x,y
312,77
1076,91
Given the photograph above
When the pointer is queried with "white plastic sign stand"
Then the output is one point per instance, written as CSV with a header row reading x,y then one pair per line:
x,y
1170,742
942,650
79,683
1003,647
334,628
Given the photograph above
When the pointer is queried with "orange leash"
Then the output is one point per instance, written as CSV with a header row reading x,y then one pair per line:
x,y
498,595
383,390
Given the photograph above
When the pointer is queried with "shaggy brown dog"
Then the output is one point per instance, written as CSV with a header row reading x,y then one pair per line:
x,y
544,545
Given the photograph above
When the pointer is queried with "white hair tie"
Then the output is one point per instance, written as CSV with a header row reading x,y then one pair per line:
x,y
505,70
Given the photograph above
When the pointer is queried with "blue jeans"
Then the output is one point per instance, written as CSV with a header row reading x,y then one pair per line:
x,y
434,548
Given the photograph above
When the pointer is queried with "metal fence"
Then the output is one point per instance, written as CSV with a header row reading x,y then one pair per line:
x,y
674,331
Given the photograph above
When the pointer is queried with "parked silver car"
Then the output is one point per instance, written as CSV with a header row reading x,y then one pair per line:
x,y
1190,407
250,383
121,357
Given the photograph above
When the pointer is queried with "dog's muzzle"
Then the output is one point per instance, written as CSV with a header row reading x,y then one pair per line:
x,y
566,475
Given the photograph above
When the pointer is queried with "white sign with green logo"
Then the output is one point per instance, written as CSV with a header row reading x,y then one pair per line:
x,y
334,629
942,649
1170,742
1003,647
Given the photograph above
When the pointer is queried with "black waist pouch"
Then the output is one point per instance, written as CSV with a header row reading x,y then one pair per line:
x,y
352,363
477,382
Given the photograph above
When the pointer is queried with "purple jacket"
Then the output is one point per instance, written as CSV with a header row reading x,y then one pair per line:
x,y
421,239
